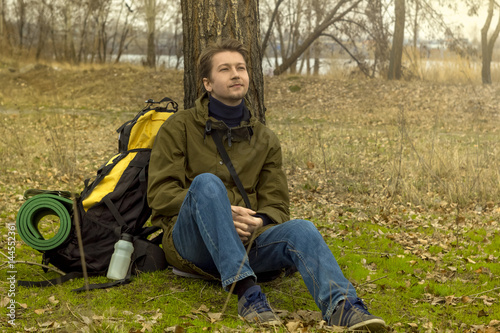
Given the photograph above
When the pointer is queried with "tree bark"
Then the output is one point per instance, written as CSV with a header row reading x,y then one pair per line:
x,y
205,22
397,42
487,45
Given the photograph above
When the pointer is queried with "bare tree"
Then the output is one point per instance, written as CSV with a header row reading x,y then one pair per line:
x,y
337,13
205,22
319,11
121,37
100,18
487,44
43,28
2,22
69,43
177,39
398,40
376,11
286,23
150,10
20,9
270,26
169,33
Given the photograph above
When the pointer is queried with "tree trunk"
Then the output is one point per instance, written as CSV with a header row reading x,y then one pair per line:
x,y
122,44
416,26
488,45
205,22
2,20
42,31
151,24
21,12
69,46
5,37
397,42
317,57
83,50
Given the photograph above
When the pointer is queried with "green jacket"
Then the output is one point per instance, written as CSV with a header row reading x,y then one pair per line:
x,y
182,150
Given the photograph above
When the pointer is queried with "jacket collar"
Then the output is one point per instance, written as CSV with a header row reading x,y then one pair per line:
x,y
242,132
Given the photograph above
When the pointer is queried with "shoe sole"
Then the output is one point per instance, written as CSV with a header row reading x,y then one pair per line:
x,y
372,325
266,323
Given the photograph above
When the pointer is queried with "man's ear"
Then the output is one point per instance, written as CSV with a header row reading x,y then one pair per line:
x,y
207,84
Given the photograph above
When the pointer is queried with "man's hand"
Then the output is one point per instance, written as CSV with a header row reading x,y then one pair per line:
x,y
244,222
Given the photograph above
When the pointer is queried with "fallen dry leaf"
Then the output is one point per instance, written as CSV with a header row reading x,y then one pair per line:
x,y
466,299
157,316
146,327
52,299
46,324
487,329
494,322
292,326
4,301
86,320
203,308
39,311
482,313
214,316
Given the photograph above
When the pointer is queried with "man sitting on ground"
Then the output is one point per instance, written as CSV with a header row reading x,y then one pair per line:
x,y
207,226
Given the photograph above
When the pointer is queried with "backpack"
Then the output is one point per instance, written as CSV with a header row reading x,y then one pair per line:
x,y
115,202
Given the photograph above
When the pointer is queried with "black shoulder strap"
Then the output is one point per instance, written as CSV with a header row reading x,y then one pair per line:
x,y
126,280
55,281
76,275
230,167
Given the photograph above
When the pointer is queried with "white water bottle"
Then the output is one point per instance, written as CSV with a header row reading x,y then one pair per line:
x,y
120,260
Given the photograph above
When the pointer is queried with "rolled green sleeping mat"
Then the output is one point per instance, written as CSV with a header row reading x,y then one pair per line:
x,y
38,207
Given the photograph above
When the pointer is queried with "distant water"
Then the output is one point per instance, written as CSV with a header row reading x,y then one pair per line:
x,y
268,64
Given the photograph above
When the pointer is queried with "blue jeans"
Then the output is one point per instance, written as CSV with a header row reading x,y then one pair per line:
x,y
204,234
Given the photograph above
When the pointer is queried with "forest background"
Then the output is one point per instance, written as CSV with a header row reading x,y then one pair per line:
x,y
400,176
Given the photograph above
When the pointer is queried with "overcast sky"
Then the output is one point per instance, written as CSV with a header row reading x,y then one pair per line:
x,y
471,24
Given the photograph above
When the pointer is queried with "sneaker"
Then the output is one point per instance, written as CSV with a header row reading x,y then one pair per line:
x,y
253,307
353,314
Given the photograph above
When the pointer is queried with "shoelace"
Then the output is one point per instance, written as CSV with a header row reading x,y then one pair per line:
x,y
258,301
357,303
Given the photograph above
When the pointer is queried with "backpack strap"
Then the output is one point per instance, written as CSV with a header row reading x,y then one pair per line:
x,y
142,165
116,214
58,280
122,282
142,248
227,161
46,283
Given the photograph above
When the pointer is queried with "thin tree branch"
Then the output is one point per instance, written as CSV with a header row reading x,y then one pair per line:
x,y
50,268
371,281
360,64
484,292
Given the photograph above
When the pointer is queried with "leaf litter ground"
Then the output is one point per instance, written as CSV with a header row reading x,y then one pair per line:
x,y
401,178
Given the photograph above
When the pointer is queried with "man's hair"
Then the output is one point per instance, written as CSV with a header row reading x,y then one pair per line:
x,y
206,56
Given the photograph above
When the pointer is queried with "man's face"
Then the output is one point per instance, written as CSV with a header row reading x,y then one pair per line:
x,y
228,80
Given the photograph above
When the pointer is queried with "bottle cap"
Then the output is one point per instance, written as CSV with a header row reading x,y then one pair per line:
x,y
126,237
